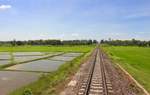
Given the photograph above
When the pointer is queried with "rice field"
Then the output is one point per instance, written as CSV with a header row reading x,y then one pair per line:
x,y
24,65
63,48
136,60
4,62
19,57
34,64
22,74
10,81
44,65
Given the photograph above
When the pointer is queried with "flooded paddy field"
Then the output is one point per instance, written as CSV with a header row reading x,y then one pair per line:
x,y
39,65
29,57
66,56
25,58
34,61
5,56
44,65
53,54
17,57
28,53
10,81
34,53
62,58
19,75
4,62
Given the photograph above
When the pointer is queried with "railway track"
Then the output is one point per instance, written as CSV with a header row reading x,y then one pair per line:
x,y
96,80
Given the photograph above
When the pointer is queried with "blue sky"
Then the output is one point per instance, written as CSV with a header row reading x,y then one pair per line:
x,y
74,19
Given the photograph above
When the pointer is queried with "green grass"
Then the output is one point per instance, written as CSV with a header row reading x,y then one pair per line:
x,y
50,81
77,48
136,60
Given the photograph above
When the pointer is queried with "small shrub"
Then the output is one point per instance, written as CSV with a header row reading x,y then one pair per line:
x,y
27,92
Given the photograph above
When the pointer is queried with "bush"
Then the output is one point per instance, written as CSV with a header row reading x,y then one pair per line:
x,y
27,92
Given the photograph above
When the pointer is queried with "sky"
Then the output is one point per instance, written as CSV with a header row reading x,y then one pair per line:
x,y
74,19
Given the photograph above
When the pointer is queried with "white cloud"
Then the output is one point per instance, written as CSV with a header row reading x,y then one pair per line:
x,y
5,7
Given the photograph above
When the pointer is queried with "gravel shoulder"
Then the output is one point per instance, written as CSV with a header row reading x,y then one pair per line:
x,y
122,83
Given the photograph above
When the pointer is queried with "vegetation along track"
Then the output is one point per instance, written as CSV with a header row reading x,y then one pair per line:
x,y
96,81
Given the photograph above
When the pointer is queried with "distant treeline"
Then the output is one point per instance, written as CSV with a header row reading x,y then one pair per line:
x,y
132,42
48,42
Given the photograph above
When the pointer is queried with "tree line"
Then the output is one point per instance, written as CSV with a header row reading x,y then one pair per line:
x,y
48,42
132,42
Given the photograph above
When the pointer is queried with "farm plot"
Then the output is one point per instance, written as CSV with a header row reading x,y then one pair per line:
x,y
136,60
33,61
28,53
62,58
28,56
10,81
66,57
25,58
4,62
39,65
45,65
18,57
5,56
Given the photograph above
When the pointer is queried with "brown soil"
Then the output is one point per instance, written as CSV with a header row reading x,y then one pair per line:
x,y
122,84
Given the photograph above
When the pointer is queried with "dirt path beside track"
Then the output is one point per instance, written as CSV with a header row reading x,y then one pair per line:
x,y
121,83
